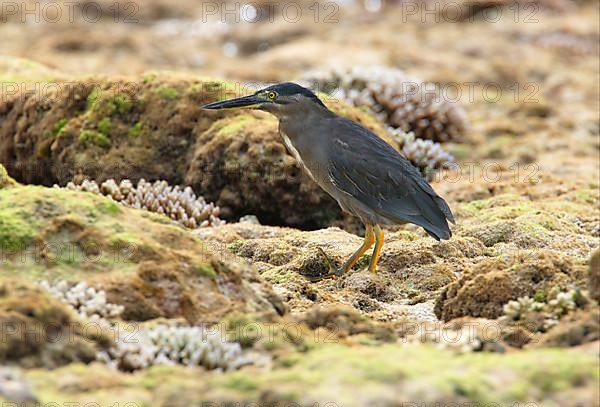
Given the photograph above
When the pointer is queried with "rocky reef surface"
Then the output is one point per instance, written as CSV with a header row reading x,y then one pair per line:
x,y
132,290
108,299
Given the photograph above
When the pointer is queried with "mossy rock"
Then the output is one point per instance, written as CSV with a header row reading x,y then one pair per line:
x,y
502,248
295,261
509,218
96,116
486,286
145,263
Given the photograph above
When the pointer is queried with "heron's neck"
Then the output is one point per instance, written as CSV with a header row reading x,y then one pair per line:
x,y
299,122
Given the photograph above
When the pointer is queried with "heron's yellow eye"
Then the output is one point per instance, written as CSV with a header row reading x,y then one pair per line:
x,y
272,95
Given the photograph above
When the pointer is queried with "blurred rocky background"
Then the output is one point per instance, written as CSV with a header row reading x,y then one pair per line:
x,y
158,254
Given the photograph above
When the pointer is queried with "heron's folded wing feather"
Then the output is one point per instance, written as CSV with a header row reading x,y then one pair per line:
x,y
370,170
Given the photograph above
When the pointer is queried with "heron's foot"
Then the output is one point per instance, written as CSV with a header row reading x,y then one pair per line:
x,y
333,271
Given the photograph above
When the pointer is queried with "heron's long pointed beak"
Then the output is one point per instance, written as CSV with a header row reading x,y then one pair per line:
x,y
247,102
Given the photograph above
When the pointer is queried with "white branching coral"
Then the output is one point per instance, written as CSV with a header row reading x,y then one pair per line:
x,y
158,345
518,309
563,303
541,316
427,156
168,345
88,302
180,204
399,100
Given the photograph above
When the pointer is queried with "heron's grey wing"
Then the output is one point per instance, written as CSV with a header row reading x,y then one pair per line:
x,y
367,168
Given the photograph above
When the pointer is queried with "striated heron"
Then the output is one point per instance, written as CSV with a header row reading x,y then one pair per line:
x,y
366,176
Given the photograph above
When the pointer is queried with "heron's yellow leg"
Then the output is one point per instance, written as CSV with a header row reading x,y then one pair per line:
x,y
377,249
367,243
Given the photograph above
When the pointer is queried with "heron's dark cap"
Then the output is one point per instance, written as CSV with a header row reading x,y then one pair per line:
x,y
291,89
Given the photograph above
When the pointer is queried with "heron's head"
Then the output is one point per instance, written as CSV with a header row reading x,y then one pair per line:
x,y
281,99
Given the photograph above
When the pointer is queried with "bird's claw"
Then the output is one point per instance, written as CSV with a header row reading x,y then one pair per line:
x,y
333,273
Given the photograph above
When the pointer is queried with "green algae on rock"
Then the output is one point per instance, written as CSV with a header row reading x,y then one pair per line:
x,y
289,259
150,268
17,71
